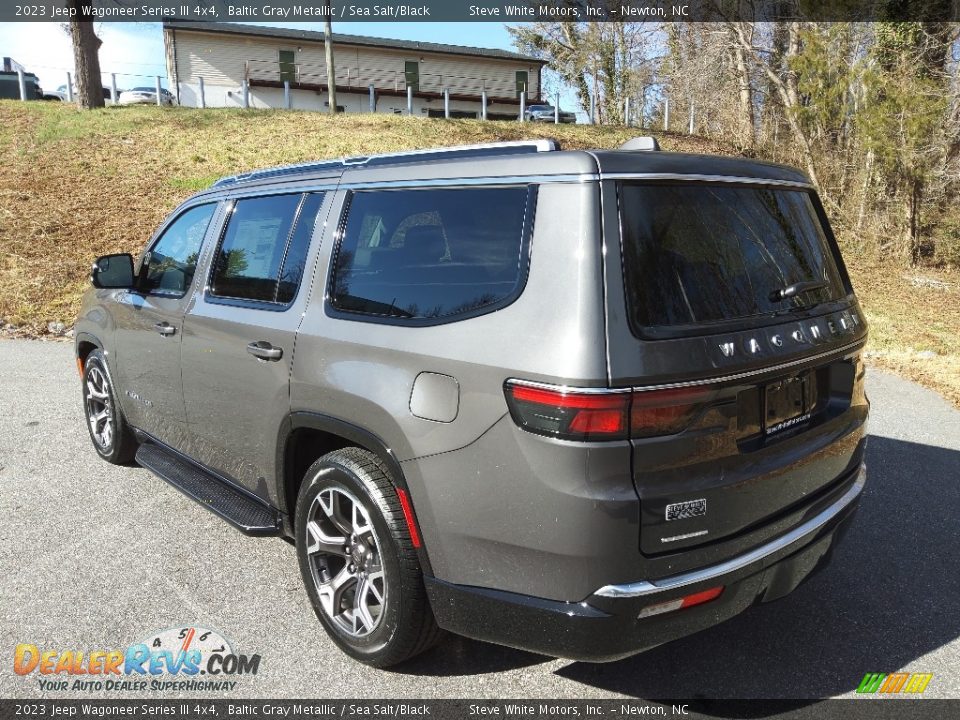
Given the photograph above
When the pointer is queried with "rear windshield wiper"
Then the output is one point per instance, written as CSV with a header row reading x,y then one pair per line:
x,y
796,289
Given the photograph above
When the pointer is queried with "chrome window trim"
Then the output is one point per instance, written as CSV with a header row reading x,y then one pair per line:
x,y
729,179
651,587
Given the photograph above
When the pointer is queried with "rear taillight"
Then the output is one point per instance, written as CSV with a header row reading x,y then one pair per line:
x,y
574,414
569,414
665,412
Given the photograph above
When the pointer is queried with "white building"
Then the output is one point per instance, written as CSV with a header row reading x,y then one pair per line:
x,y
225,55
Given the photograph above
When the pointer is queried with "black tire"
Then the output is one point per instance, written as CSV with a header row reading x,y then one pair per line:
x,y
100,399
405,625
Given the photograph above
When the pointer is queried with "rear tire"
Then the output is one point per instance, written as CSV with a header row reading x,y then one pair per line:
x,y
112,438
358,563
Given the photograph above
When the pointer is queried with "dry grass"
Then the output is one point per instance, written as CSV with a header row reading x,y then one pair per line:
x,y
75,185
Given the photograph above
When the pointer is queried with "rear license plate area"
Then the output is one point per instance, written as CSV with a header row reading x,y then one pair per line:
x,y
788,403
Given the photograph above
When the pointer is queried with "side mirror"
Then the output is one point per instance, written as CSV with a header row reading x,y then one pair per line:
x,y
113,271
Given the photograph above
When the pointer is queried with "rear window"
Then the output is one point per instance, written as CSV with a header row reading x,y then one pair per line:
x,y
429,255
696,254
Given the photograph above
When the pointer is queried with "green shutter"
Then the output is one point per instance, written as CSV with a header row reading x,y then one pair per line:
x,y
522,82
288,65
411,71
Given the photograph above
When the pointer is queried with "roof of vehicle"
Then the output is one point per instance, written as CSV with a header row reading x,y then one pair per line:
x,y
671,163
521,159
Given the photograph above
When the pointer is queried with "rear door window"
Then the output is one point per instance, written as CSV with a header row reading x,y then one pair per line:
x,y
428,255
696,254
264,248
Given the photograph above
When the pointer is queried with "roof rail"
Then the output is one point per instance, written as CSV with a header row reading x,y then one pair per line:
x,y
641,142
512,147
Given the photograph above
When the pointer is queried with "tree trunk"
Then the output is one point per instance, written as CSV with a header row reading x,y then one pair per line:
x,y
747,125
782,88
914,198
86,58
331,72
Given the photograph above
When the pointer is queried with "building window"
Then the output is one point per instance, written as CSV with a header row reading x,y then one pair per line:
x,y
288,65
411,71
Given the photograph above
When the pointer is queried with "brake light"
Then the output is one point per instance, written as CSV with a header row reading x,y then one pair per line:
x,y
573,414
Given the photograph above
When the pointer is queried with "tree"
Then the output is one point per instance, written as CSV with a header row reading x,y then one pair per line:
x,y
903,123
86,58
605,63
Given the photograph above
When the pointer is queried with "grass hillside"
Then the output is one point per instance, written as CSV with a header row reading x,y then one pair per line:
x,y
75,185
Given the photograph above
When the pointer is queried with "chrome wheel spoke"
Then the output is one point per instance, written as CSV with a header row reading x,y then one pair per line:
x,y
359,521
331,592
329,502
97,393
320,542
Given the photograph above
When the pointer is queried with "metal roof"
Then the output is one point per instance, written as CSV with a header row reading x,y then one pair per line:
x,y
314,36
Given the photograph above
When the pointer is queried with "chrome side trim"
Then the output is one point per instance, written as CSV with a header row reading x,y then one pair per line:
x,y
650,587
568,389
752,373
734,179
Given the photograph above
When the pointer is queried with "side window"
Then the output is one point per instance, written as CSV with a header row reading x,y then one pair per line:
x,y
431,254
172,260
264,248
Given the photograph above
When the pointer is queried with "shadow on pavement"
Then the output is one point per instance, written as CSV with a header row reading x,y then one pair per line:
x,y
887,599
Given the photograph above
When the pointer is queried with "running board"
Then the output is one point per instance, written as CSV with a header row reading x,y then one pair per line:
x,y
250,516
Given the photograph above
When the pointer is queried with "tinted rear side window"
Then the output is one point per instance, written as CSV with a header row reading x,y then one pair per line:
x,y
697,253
430,254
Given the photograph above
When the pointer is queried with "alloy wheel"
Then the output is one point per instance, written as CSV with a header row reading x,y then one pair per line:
x,y
343,552
99,407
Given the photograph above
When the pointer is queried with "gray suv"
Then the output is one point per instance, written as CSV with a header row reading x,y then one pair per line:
x,y
579,403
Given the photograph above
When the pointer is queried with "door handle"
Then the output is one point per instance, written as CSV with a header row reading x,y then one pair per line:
x,y
264,350
165,328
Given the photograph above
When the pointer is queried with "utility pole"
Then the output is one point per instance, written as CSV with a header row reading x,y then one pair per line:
x,y
328,47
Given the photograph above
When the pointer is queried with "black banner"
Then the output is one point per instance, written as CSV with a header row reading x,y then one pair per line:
x,y
853,709
486,10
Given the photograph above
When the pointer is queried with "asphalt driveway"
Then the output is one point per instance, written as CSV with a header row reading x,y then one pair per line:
x,y
97,557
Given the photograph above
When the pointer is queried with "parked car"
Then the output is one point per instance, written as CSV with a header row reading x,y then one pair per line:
x,y
547,113
579,403
10,86
146,96
61,93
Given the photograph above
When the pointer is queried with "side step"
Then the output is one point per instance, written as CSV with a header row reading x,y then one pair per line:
x,y
249,515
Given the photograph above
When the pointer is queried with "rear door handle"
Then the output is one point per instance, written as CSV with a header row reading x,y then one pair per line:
x,y
165,328
264,350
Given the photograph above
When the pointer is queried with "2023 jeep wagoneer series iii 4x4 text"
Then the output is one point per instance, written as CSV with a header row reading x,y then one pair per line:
x,y
580,403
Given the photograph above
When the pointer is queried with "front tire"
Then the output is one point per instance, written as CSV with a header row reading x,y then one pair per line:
x,y
111,436
358,563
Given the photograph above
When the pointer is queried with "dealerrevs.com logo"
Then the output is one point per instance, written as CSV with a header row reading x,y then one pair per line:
x,y
178,659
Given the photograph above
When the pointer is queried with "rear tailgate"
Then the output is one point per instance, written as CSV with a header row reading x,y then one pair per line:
x,y
735,289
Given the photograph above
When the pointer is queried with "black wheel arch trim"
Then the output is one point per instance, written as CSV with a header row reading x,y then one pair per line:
x,y
85,337
356,435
